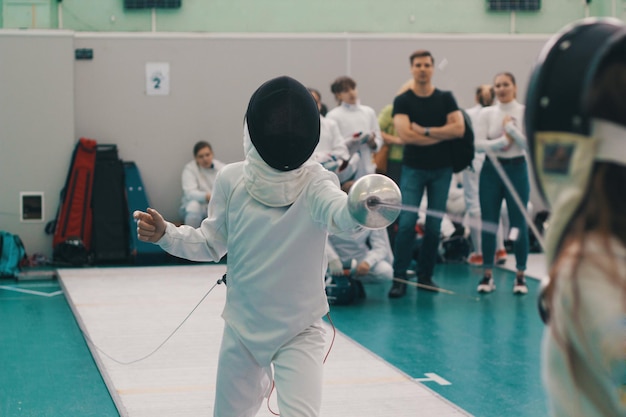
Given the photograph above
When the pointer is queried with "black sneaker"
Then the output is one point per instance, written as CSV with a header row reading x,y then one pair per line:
x,y
398,289
427,283
486,285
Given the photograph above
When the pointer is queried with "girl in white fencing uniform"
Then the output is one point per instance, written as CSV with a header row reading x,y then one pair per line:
x,y
577,137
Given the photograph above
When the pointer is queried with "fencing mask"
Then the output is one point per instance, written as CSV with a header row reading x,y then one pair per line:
x,y
284,123
565,138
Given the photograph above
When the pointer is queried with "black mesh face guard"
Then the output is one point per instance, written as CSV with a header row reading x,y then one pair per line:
x,y
284,123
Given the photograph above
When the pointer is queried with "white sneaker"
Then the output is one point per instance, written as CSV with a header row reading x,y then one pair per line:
x,y
520,286
486,285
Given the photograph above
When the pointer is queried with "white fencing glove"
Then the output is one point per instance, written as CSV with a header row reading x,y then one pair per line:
x,y
335,267
332,163
360,138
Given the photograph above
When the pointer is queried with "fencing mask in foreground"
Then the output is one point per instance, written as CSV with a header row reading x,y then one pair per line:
x,y
566,139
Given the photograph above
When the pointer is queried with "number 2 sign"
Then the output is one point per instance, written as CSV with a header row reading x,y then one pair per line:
x,y
157,78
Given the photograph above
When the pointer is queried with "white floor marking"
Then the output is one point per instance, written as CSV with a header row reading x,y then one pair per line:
x,y
434,378
25,291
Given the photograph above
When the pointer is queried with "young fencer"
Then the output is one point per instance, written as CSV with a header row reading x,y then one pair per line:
x,y
272,214
577,137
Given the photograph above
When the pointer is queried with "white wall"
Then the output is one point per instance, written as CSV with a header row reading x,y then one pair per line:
x,y
36,126
212,78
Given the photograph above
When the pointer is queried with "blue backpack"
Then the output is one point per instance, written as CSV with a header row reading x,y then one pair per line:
x,y
12,252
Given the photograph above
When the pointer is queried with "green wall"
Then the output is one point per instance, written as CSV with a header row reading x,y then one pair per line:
x,y
304,16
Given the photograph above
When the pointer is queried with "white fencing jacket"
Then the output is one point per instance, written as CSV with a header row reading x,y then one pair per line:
x,y
274,227
198,181
357,118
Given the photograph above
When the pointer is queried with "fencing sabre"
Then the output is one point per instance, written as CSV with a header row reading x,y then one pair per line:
x,y
375,201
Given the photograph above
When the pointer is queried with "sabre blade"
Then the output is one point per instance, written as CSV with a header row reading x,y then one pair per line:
x,y
516,198
475,223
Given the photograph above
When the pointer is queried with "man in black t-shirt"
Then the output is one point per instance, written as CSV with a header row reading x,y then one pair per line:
x,y
425,119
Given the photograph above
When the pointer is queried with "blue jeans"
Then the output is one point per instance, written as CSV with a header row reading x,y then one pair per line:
x,y
413,182
492,191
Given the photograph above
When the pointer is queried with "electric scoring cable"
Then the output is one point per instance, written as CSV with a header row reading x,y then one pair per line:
x,y
91,342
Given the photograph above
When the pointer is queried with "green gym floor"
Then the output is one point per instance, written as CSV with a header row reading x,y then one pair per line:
x,y
46,369
479,352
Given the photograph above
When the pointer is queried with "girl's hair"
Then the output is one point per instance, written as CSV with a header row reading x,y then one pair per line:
x,y
323,108
507,74
602,211
479,93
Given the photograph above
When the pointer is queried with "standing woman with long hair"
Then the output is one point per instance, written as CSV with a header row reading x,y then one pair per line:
x,y
577,135
500,131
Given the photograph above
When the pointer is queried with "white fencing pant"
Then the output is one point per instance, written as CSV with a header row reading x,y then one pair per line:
x,y
242,383
194,212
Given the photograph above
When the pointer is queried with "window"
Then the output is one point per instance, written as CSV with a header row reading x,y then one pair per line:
x,y
509,5
149,4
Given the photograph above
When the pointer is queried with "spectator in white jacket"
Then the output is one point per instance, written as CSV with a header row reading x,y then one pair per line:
x,y
198,178
371,251
359,128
